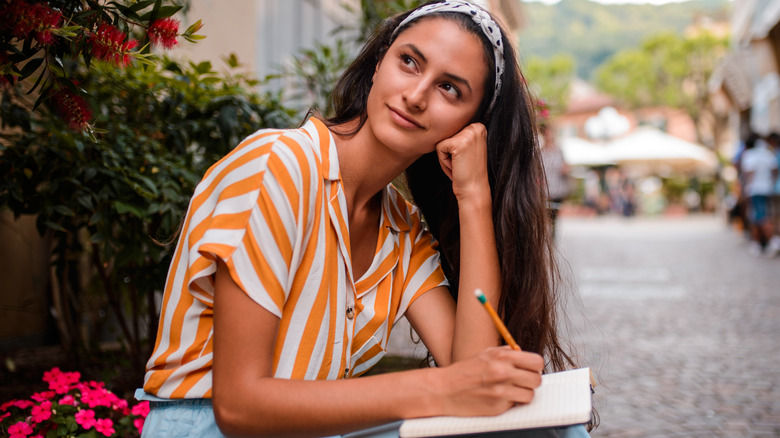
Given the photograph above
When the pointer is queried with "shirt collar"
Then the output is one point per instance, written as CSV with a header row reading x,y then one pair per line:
x,y
393,215
326,147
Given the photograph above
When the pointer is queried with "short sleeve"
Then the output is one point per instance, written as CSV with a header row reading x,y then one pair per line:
x,y
256,223
424,265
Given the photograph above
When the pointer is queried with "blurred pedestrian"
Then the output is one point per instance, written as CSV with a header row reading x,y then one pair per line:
x,y
759,166
557,172
774,203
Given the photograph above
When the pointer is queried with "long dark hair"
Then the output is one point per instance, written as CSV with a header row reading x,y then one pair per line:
x,y
529,272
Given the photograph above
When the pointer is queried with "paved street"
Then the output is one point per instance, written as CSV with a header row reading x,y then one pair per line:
x,y
681,326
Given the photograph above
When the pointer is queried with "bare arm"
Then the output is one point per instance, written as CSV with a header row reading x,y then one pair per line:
x,y
249,401
464,159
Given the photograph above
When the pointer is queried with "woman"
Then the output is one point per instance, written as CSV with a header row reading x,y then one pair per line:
x,y
298,256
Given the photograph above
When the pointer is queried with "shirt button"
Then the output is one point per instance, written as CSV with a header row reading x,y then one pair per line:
x,y
350,312
346,373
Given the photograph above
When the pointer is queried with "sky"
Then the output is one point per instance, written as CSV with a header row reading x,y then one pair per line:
x,y
613,2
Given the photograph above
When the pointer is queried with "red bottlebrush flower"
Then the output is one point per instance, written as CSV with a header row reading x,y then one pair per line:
x,y
72,108
163,32
39,19
108,44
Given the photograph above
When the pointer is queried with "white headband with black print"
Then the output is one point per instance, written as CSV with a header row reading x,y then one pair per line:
x,y
481,17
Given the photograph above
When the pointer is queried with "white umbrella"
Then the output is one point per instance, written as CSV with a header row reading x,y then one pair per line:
x,y
653,149
579,152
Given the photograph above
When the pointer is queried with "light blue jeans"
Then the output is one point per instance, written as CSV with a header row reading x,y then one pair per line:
x,y
195,418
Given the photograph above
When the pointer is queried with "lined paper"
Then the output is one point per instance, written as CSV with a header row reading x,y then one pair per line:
x,y
563,399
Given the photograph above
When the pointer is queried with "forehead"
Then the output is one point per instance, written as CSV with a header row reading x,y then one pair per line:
x,y
445,39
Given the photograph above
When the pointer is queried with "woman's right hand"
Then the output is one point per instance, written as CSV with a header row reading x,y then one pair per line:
x,y
489,383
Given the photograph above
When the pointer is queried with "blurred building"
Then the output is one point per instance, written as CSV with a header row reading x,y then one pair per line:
x,y
747,82
265,34
586,102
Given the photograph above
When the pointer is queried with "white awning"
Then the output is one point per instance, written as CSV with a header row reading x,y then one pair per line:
x,y
654,150
579,152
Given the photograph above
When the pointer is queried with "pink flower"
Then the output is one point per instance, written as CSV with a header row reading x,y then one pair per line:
x,y
43,396
58,381
139,424
20,430
163,32
108,44
23,404
86,418
141,409
68,400
75,111
105,426
98,397
50,375
42,412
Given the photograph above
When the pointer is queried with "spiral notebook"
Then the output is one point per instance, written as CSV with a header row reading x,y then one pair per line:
x,y
563,399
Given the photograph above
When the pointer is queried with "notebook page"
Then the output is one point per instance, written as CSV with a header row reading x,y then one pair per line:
x,y
563,399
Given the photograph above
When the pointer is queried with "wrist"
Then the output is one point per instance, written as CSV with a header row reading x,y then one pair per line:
x,y
479,198
432,397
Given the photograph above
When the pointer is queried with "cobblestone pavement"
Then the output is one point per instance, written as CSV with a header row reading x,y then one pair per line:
x,y
680,325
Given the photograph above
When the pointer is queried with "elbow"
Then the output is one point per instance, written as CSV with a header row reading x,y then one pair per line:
x,y
229,420
233,419
235,416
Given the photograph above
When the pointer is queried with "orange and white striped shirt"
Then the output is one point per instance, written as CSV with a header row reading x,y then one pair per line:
x,y
274,211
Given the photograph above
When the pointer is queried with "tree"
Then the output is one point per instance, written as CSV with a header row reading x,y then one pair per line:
x,y
550,79
107,157
670,70
43,42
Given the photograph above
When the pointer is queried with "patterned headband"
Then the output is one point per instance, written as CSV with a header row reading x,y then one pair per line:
x,y
482,18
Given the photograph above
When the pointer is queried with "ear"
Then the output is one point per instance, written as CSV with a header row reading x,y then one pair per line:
x,y
376,69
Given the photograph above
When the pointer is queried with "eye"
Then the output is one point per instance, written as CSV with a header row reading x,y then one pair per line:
x,y
451,89
408,61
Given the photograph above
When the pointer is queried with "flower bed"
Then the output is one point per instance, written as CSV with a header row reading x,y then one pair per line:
x,y
72,408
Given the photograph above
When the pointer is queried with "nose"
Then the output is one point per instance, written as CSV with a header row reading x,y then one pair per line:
x,y
416,95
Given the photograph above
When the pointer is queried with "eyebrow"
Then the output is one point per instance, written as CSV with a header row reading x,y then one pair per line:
x,y
450,76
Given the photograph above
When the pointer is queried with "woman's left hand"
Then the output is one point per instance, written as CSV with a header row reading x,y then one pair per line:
x,y
463,157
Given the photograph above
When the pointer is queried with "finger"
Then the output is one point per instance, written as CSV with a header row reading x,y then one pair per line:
x,y
517,394
445,161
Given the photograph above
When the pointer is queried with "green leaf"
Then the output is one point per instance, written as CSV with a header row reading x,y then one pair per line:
x,y
194,27
167,11
193,38
65,211
126,11
30,68
149,183
55,226
124,208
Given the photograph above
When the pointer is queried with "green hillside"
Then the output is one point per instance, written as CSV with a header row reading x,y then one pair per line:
x,y
592,32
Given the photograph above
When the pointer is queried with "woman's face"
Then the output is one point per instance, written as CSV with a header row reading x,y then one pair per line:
x,y
427,87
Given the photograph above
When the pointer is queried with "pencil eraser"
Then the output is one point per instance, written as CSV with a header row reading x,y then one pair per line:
x,y
480,296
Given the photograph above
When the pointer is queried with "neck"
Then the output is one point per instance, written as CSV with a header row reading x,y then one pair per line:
x,y
366,165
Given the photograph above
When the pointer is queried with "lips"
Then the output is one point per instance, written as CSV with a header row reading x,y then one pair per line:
x,y
404,120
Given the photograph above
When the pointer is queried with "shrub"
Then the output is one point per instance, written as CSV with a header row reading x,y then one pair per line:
x,y
72,408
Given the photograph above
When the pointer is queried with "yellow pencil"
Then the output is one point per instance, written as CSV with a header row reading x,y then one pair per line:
x,y
496,320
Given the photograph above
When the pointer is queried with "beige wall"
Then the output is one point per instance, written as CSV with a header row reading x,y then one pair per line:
x,y
24,258
264,34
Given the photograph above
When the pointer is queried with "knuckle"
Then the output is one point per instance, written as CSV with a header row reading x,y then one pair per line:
x,y
536,380
526,396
